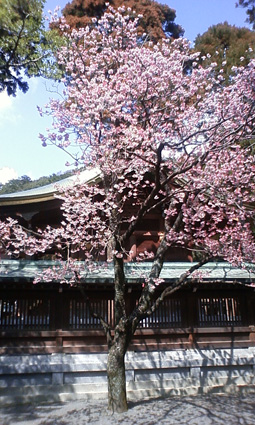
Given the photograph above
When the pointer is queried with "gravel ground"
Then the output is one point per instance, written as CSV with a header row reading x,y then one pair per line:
x,y
197,410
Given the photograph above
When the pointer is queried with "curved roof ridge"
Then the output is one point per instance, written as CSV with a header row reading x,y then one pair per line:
x,y
48,191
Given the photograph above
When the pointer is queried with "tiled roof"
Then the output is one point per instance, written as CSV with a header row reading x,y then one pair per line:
x,y
222,271
50,189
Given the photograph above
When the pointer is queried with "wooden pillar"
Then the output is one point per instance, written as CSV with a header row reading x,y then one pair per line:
x,y
58,308
252,335
192,316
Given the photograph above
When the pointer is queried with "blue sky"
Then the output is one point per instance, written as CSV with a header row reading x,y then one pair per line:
x,y
21,152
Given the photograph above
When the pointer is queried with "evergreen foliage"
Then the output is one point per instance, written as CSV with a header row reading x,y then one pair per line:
x,y
25,182
250,6
227,45
157,21
25,46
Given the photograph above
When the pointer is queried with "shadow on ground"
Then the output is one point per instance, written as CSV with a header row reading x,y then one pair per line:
x,y
197,410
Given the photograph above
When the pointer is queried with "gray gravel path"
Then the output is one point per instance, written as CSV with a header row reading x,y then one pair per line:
x,y
199,410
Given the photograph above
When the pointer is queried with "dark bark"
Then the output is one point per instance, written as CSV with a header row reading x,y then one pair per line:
x,y
125,326
117,397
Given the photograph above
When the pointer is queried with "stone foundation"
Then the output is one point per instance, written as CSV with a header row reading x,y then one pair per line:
x,y
62,377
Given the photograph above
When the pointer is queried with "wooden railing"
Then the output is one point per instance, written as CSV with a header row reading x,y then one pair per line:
x,y
24,313
80,316
50,311
34,320
219,311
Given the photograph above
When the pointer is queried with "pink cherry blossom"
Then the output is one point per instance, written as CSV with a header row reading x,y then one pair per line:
x,y
166,141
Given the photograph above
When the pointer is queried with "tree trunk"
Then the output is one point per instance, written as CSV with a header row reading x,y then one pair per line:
x,y
117,398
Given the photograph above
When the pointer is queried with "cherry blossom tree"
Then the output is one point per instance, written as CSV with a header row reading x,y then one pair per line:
x,y
163,139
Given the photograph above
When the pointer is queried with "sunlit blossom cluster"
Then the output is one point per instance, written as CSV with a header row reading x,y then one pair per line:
x,y
166,138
